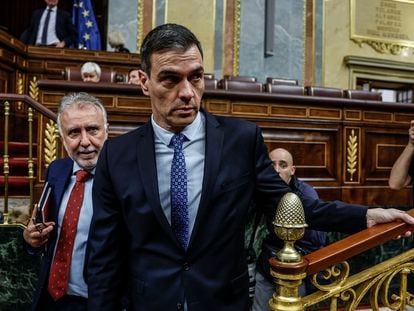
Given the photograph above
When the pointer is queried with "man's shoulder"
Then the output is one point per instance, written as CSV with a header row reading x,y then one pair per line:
x,y
129,137
231,122
63,13
38,13
60,164
306,189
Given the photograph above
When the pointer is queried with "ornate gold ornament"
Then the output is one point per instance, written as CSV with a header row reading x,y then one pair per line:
x,y
20,90
34,89
385,283
140,25
337,275
236,43
289,226
383,47
352,157
6,168
50,141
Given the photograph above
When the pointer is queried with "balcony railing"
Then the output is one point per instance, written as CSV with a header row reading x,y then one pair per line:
x,y
339,289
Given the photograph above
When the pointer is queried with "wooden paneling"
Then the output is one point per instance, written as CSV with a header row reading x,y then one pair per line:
x,y
343,147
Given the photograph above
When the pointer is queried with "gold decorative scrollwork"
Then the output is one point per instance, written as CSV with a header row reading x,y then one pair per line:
x,y
140,24
351,157
337,275
385,284
381,291
236,42
50,141
384,47
348,295
34,89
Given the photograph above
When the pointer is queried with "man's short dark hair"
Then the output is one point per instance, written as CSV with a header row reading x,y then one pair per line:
x,y
166,37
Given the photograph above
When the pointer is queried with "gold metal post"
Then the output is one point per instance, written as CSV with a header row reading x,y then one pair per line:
x,y
287,267
6,170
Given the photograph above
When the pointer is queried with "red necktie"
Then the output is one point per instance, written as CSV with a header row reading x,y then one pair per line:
x,y
59,270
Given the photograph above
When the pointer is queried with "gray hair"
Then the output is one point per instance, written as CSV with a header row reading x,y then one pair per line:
x,y
89,67
116,38
79,98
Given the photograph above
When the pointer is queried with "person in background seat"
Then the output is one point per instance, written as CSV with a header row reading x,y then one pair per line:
x,y
312,240
133,77
402,171
91,72
117,42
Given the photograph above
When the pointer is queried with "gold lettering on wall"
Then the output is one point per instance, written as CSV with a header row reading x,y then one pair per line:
x,y
386,25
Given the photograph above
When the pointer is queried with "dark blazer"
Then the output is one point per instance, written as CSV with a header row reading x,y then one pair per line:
x,y
133,249
65,31
58,175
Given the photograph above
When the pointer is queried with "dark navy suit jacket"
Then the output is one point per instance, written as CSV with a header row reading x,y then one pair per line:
x,y
65,31
133,249
58,175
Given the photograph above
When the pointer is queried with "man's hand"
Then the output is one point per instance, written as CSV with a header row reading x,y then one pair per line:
x,y
37,234
382,215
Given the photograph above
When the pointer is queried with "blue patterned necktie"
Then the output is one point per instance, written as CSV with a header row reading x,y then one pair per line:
x,y
179,210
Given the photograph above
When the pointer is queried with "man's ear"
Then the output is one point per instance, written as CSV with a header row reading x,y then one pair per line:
x,y
143,77
293,169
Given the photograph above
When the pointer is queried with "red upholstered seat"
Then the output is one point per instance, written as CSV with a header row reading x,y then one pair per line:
x,y
275,81
285,89
240,78
210,84
359,94
325,91
240,86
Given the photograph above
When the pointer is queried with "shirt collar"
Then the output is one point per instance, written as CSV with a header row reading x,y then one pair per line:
x,y
190,131
76,168
54,9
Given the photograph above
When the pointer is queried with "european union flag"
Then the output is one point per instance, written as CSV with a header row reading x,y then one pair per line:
x,y
84,20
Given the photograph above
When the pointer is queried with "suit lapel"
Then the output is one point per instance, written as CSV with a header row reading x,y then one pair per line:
x,y
60,179
214,146
148,171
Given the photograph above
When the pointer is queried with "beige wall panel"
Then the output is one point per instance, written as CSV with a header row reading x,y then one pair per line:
x,y
199,17
338,44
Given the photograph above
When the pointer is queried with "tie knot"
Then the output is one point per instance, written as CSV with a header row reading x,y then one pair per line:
x,y
82,176
177,141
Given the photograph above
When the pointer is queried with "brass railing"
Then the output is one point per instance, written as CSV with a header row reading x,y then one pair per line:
x,y
339,289
24,114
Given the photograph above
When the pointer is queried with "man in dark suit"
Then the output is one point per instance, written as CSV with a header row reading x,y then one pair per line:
x,y
82,123
171,198
50,26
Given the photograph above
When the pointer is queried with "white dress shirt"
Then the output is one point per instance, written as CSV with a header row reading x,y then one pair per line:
x,y
51,31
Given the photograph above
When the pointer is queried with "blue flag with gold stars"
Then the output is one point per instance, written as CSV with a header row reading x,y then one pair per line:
x,y
84,20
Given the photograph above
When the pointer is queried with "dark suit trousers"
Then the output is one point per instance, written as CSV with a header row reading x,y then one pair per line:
x,y
66,303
